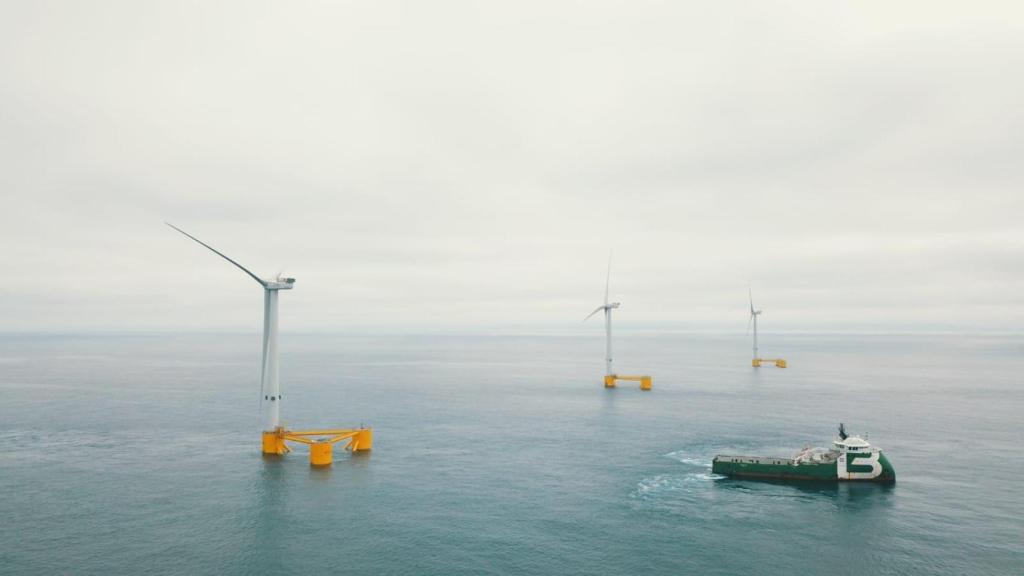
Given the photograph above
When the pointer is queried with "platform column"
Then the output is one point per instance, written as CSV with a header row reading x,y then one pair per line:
x,y
273,442
321,453
363,441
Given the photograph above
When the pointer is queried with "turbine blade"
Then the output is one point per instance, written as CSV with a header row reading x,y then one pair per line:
x,y
214,250
749,321
608,278
751,294
596,310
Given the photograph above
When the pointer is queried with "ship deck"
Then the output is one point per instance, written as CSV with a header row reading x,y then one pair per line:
x,y
767,460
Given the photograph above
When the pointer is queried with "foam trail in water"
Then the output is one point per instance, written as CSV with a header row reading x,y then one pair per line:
x,y
681,456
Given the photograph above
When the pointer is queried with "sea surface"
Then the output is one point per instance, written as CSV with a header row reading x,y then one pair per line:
x,y
504,454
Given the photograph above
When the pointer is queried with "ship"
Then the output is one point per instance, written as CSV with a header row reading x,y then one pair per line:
x,y
851,459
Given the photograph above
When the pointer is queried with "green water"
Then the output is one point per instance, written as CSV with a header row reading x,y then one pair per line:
x,y
135,454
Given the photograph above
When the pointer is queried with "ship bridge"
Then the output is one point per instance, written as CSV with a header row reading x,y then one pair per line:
x,y
853,444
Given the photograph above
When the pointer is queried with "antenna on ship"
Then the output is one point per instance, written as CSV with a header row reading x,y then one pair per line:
x,y
274,435
609,375
842,431
752,320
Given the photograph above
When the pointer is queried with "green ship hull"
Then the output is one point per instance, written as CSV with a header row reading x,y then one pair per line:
x,y
850,460
786,469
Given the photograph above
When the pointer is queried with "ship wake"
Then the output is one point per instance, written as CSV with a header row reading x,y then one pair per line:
x,y
696,479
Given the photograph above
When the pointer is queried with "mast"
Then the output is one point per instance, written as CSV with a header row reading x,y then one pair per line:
x,y
755,335
608,341
270,375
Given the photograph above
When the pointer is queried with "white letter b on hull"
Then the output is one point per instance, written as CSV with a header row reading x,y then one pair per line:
x,y
860,460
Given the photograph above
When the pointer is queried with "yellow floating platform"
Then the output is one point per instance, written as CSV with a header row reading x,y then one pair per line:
x,y
321,449
645,381
779,362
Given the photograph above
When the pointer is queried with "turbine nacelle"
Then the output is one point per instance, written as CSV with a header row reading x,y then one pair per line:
x,y
279,283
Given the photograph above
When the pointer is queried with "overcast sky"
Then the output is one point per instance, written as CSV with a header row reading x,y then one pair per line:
x,y
472,163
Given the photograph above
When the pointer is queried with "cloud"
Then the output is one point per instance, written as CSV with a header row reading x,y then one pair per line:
x,y
459,164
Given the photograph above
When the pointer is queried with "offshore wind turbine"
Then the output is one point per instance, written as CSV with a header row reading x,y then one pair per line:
x,y
607,307
752,321
609,373
274,434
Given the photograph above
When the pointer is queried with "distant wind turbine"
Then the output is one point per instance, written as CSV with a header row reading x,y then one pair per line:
x,y
757,360
753,320
607,307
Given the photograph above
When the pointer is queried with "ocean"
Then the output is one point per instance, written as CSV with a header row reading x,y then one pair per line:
x,y
504,454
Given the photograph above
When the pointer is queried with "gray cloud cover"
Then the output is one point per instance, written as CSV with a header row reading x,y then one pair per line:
x,y
471,163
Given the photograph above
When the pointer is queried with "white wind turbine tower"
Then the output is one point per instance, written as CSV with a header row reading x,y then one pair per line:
x,y
607,307
270,385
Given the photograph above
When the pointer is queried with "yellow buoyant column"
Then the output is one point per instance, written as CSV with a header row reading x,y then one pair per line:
x,y
756,362
609,381
645,383
780,363
273,443
363,440
321,453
